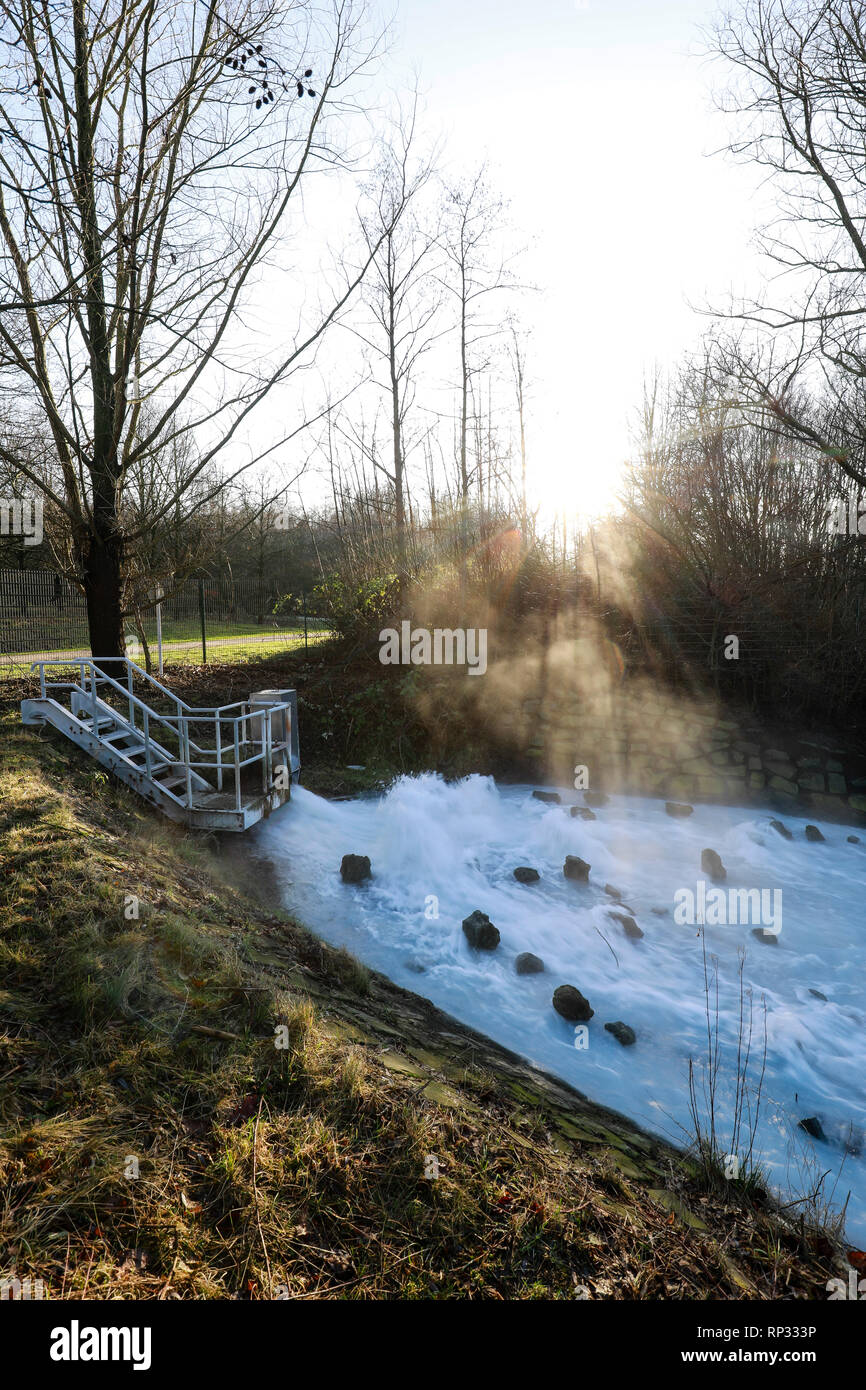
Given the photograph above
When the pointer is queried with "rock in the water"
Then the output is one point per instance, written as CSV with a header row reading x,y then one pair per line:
x,y
659,911
528,964
770,938
613,892
818,995
576,868
812,1125
480,931
622,1033
853,839
570,1003
526,875
583,812
355,868
553,797
813,833
678,809
629,925
596,798
781,829
712,865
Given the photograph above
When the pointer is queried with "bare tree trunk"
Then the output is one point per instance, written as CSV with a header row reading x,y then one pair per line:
x,y
397,429
464,394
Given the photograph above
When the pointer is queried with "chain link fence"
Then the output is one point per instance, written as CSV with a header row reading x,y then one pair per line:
x,y
43,617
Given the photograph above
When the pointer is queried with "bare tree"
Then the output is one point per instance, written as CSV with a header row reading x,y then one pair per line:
x,y
151,154
800,100
476,269
402,299
517,354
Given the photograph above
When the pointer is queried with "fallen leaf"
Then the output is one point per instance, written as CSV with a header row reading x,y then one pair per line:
x,y
244,1111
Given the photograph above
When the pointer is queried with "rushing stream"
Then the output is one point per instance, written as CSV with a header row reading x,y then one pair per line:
x,y
440,850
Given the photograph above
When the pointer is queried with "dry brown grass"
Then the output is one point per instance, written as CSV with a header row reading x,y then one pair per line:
x,y
295,1172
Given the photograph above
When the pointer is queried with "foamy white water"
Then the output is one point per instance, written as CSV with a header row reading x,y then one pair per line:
x,y
450,848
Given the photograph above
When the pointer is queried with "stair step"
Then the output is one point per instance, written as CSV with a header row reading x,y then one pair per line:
x,y
101,721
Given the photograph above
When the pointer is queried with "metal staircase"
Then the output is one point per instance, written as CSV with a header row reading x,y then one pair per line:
x,y
220,768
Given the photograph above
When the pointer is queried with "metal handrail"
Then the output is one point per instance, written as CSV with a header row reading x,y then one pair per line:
x,y
82,662
202,714
133,669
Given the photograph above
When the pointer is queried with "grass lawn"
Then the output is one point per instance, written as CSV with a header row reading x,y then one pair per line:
x,y
182,646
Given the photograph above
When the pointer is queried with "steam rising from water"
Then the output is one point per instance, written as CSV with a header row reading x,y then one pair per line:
x,y
450,848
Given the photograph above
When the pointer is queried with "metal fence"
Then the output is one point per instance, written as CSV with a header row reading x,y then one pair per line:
x,y
43,617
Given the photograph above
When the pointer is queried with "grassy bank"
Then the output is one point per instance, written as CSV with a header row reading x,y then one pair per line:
x,y
156,1142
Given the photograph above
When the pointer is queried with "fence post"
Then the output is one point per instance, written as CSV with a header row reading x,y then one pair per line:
x,y
159,637
201,614
306,645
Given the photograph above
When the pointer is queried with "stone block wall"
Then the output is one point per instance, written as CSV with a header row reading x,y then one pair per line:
x,y
672,749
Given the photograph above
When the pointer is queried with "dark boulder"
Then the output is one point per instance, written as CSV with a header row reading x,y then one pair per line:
x,y
816,993
813,833
613,892
528,964
781,829
570,1003
576,868
853,839
553,797
480,931
622,1033
678,809
355,868
526,875
712,865
769,938
812,1125
628,924
583,812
